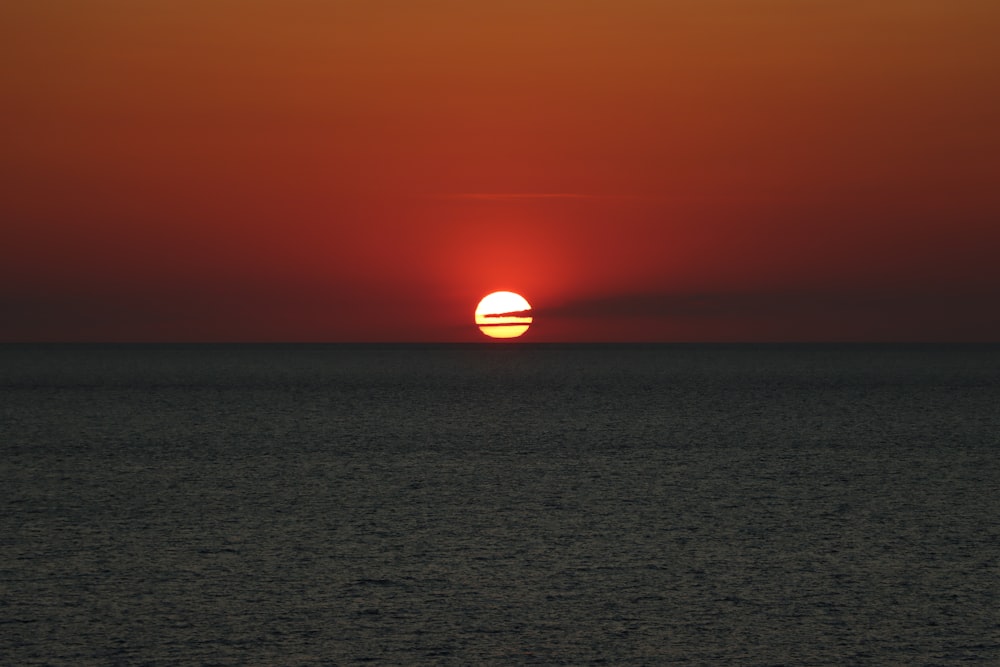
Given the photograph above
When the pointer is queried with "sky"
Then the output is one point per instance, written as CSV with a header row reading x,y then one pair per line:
x,y
640,170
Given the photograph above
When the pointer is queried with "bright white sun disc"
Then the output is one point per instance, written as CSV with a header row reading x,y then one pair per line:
x,y
503,315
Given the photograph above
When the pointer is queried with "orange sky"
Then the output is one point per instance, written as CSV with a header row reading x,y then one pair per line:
x,y
324,170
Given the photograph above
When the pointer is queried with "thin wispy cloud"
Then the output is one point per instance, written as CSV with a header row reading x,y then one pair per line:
x,y
751,304
518,196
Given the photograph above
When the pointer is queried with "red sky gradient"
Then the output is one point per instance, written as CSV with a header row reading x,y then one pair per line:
x,y
641,170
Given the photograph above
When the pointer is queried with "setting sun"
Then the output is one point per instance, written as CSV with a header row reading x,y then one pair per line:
x,y
503,315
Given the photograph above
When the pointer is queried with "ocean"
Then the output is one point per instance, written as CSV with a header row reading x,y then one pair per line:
x,y
500,504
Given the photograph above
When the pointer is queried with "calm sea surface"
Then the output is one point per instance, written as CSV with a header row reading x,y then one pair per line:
x,y
500,504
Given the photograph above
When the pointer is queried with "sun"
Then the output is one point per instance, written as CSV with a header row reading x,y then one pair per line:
x,y
503,315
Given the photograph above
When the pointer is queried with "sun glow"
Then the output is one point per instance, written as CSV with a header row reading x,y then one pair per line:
x,y
503,315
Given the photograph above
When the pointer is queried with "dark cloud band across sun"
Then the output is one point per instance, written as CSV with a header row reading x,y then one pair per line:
x,y
513,313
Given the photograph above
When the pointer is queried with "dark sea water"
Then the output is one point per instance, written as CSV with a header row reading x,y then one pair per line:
x,y
500,504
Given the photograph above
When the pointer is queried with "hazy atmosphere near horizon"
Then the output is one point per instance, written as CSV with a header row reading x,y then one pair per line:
x,y
721,170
